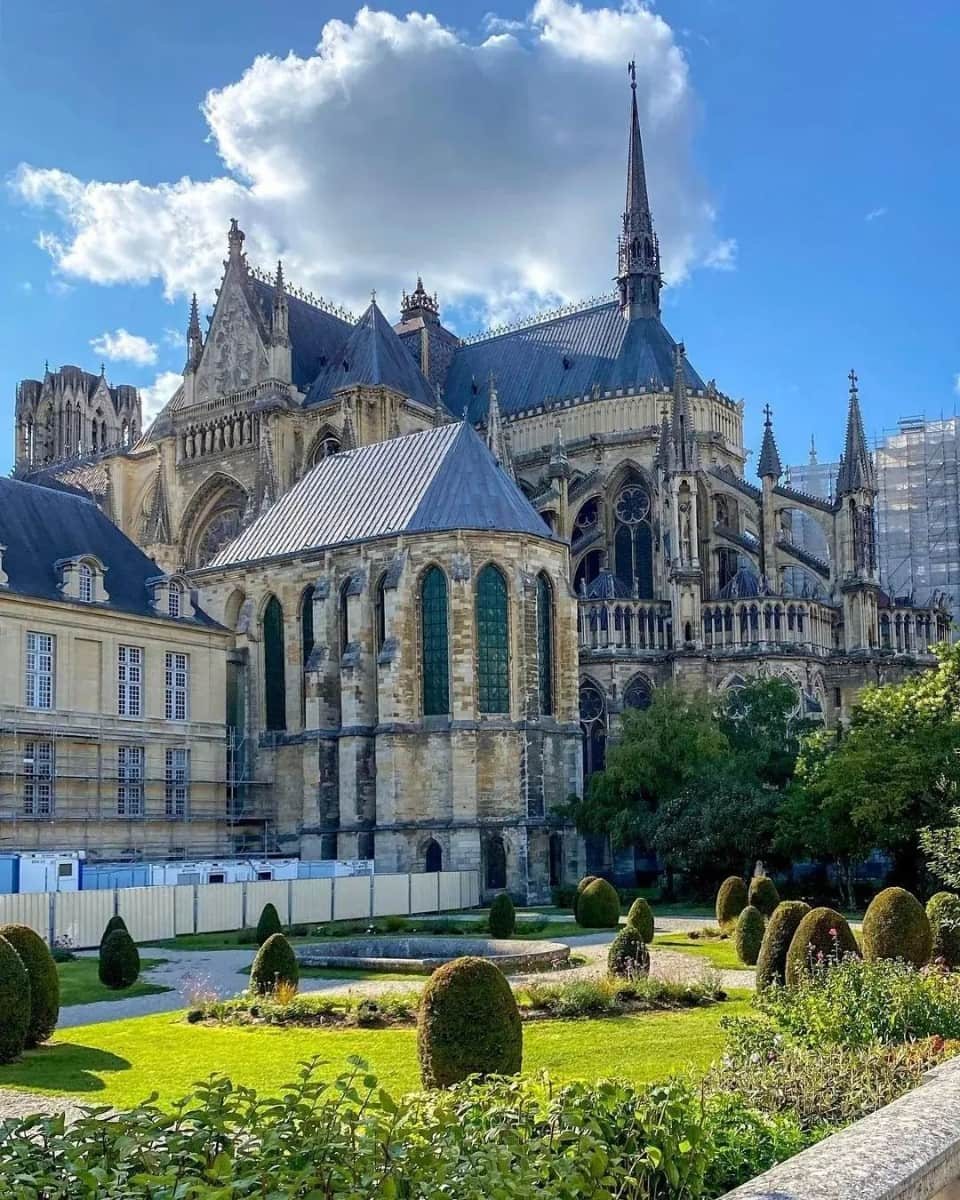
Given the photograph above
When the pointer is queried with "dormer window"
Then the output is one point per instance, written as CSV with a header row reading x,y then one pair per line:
x,y
170,596
85,583
82,579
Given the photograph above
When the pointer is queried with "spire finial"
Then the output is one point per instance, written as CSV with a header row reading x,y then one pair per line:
x,y
235,238
769,464
103,369
278,281
638,275
632,72
767,413
853,382
373,295
813,451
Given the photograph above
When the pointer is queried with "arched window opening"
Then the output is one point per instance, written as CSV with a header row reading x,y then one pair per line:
x,y
232,608
493,642
593,722
273,665
496,864
633,541
344,615
174,598
434,644
545,644
328,446
587,518
86,583
637,694
306,645
433,857
556,859
587,570
380,612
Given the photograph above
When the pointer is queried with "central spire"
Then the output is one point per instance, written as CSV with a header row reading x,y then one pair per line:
x,y
638,276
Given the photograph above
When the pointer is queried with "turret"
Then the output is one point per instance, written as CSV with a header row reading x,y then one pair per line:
x,y
638,274
281,361
194,337
855,534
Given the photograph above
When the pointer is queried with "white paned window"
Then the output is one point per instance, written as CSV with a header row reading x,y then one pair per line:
x,y
130,681
38,762
177,782
39,674
176,705
173,600
86,583
130,781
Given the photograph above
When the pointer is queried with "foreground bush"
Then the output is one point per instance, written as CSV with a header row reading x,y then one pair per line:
x,y
44,980
763,895
640,917
14,1003
772,960
628,957
943,910
732,899
269,924
822,938
598,906
581,888
749,935
896,926
275,966
119,960
469,1024
503,917
111,926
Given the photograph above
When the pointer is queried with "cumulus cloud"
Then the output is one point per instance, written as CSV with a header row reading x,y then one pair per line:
x,y
156,395
492,165
122,346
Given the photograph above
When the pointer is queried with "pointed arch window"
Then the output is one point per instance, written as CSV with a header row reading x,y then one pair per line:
x,y
493,642
273,665
434,644
380,612
633,540
433,857
593,722
306,644
545,644
496,864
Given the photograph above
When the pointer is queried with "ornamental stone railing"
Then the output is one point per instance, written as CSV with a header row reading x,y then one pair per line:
x,y
625,625
769,623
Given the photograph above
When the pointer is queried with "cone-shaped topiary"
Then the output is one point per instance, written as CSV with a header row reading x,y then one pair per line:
x,y
628,957
763,894
822,937
581,888
599,906
749,935
44,980
14,1003
731,901
503,917
772,960
111,925
943,909
275,963
468,1024
269,924
119,960
640,917
896,926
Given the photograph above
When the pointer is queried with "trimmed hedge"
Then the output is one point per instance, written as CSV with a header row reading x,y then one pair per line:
x,y
628,957
763,895
772,960
44,980
821,937
503,917
732,899
269,924
275,963
943,909
640,917
581,888
119,960
749,935
14,1003
599,906
896,926
468,1024
113,924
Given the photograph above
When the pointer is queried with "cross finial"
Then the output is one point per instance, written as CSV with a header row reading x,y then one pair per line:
x,y
103,369
373,295
632,72
768,413
853,381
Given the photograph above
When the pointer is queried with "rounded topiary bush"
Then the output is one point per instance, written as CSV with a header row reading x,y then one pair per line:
x,y
640,917
581,888
119,960
113,924
943,910
896,926
269,924
275,964
628,957
763,894
599,906
749,935
14,1003
732,899
772,960
468,1024
503,917
44,980
822,937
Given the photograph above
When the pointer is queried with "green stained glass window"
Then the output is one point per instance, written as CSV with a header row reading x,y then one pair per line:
x,y
434,643
545,644
493,642
274,685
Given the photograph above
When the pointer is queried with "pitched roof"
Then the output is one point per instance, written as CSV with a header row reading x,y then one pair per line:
x,y
563,357
443,478
317,337
856,465
769,463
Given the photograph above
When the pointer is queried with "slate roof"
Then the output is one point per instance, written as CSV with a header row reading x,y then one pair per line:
x,y
563,357
442,478
41,525
769,463
317,337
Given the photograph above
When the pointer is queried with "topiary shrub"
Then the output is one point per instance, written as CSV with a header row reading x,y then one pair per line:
x,y
763,895
503,917
896,926
269,924
581,888
275,963
822,937
749,935
44,980
14,1003
599,906
113,924
732,899
640,917
628,957
468,1024
119,960
943,910
772,960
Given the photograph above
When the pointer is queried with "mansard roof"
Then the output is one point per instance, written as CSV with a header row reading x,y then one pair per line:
x,y
440,479
317,336
564,357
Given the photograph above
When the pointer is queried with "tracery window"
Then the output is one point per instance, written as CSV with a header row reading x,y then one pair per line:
x,y
633,540
545,644
329,446
221,529
434,644
637,694
493,642
273,665
587,570
593,722
587,518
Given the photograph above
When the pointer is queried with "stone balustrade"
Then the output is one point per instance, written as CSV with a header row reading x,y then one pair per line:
x,y
233,431
912,631
633,625
768,623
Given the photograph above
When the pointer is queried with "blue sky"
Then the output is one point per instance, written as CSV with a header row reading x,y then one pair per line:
x,y
801,160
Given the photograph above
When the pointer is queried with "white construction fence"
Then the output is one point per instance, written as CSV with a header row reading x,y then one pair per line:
x,y
77,919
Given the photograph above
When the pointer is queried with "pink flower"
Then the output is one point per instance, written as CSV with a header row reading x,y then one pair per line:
x,y
833,933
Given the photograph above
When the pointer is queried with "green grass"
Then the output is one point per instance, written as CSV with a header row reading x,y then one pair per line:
x,y
720,954
80,984
122,1062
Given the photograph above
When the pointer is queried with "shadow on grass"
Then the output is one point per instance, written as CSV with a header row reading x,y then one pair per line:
x,y
61,1067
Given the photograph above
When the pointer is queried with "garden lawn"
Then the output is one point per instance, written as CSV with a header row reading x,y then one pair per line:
x,y
122,1062
80,983
720,954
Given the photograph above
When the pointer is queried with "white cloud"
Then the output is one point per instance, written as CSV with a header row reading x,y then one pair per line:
x,y
875,213
493,166
121,346
175,338
722,256
154,397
